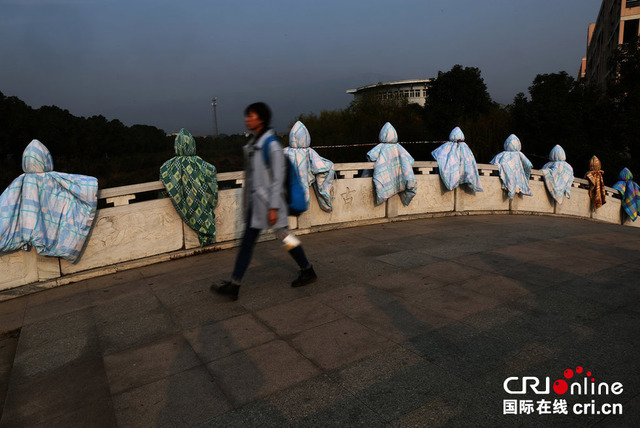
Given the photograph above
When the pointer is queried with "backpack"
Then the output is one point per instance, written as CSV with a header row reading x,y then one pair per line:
x,y
294,192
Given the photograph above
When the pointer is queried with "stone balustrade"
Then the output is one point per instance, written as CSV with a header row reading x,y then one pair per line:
x,y
137,226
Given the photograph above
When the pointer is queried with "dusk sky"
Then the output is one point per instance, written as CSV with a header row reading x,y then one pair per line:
x,y
159,62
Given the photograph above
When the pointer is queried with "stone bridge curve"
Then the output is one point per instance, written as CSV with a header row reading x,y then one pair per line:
x,y
136,226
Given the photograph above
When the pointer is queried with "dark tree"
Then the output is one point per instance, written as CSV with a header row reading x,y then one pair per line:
x,y
455,96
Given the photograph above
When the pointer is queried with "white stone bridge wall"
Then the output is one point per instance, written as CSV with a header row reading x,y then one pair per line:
x,y
129,234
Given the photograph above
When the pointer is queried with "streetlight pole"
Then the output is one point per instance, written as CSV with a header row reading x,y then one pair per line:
x,y
215,117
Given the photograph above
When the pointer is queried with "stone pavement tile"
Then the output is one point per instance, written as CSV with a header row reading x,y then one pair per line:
x,y
122,300
570,248
256,295
355,299
339,343
118,298
176,278
536,277
327,244
343,265
400,321
148,363
529,272
57,393
12,314
197,266
183,399
580,265
493,318
377,367
121,278
565,307
432,414
536,250
297,315
378,249
454,301
475,408
449,271
188,291
407,259
322,402
462,406
405,283
8,346
610,351
488,261
541,317
209,309
56,342
453,248
216,340
529,360
631,245
97,414
621,277
544,317
612,244
255,414
329,278
121,333
460,349
407,390
499,287
57,301
257,372
604,288
52,295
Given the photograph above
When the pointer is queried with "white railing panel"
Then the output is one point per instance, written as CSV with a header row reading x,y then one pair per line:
x,y
25,267
352,200
492,197
130,232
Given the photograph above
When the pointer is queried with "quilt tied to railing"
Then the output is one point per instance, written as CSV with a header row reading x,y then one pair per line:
x,y
312,168
51,211
192,185
393,169
597,193
630,193
515,168
558,174
456,163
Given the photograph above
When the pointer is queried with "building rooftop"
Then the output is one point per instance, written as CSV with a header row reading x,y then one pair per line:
x,y
394,83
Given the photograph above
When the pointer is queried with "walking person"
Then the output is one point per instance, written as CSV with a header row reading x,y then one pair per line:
x,y
263,202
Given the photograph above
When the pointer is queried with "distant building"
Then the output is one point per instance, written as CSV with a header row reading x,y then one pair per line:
x,y
616,25
415,91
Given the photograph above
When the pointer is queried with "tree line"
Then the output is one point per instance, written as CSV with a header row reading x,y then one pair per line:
x,y
584,120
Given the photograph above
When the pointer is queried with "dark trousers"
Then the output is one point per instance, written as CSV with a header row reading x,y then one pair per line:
x,y
246,251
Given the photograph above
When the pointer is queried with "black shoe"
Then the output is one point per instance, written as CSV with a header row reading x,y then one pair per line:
x,y
306,276
227,288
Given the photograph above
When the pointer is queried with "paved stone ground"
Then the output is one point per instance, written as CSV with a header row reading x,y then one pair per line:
x,y
414,323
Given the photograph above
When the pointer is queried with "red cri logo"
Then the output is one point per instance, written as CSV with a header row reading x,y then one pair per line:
x,y
560,386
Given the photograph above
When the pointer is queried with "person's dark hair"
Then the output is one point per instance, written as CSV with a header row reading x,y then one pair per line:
x,y
262,110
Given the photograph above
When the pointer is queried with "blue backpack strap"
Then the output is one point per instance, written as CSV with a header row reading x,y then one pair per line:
x,y
265,149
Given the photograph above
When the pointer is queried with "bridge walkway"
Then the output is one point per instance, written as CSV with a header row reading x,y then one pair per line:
x,y
414,323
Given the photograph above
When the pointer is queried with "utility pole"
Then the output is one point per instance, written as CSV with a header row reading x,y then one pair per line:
x,y
215,117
